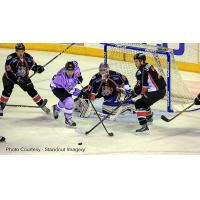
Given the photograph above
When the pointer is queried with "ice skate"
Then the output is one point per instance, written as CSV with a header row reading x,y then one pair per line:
x,y
70,122
143,130
55,112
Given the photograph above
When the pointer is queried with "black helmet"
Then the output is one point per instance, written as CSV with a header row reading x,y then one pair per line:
x,y
19,46
69,66
139,56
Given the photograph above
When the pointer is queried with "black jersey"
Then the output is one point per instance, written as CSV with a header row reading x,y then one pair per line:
x,y
18,67
107,86
148,80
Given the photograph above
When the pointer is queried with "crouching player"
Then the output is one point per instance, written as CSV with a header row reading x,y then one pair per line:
x,y
109,85
63,87
152,88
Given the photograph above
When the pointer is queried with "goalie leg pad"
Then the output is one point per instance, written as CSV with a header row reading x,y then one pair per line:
x,y
85,108
109,105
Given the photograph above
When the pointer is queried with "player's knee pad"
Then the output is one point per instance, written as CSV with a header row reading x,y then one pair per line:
x,y
69,103
7,92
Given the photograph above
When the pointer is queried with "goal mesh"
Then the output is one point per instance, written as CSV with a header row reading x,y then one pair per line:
x,y
120,58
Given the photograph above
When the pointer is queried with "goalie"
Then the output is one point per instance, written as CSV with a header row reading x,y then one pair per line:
x,y
109,85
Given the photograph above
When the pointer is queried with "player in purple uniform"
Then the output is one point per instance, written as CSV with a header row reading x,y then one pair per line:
x,y
63,86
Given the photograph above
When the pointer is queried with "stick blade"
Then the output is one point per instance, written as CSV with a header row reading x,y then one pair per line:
x,y
164,118
111,134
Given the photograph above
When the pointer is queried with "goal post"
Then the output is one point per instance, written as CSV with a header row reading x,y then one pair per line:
x,y
120,58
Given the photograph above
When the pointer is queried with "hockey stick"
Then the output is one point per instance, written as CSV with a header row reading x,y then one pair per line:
x,y
109,133
164,118
23,106
54,58
87,132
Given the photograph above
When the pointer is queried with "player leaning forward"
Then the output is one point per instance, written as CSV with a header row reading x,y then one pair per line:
x,y
17,69
63,86
152,88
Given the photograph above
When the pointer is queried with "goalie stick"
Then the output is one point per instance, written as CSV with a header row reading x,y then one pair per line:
x,y
164,118
109,133
54,58
44,108
108,115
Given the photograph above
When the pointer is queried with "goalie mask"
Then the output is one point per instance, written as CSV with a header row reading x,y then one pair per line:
x,y
103,68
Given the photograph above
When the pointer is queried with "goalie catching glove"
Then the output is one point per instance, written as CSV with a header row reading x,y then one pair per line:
x,y
125,90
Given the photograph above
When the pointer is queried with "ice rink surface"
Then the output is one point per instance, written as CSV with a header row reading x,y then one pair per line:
x,y
31,131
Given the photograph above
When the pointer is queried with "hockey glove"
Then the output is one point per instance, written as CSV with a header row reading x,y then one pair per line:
x,y
38,68
76,92
127,90
133,94
80,79
85,94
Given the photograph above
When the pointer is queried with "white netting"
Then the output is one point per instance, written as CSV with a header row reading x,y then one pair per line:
x,y
121,59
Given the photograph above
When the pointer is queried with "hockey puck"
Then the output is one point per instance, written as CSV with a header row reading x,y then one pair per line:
x,y
2,139
80,143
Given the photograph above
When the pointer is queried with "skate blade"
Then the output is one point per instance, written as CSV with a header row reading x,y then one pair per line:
x,y
46,110
144,133
71,127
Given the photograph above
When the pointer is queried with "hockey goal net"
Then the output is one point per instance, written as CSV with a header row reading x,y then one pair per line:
x,y
120,58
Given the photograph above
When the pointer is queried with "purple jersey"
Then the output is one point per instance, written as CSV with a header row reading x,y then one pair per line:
x,y
61,80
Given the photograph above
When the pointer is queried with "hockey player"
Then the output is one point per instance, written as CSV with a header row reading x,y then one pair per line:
x,y
63,86
17,69
197,100
152,88
106,84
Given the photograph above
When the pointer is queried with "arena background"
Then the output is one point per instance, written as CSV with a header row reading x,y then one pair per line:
x,y
187,55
